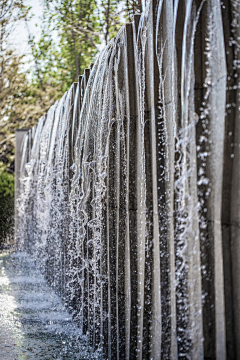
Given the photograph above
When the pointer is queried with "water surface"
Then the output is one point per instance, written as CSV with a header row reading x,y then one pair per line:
x,y
34,324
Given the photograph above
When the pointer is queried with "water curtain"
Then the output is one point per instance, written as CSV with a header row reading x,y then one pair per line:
x,y
128,198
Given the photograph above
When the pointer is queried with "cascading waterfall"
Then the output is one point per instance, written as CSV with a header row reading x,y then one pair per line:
x,y
124,187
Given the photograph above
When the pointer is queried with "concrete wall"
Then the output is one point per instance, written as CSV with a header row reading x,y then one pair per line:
x,y
169,259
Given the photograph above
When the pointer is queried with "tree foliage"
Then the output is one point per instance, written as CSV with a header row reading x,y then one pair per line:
x,y
12,80
72,32
6,206
81,26
78,31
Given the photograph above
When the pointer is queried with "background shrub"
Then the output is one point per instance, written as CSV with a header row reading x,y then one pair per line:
x,y
6,207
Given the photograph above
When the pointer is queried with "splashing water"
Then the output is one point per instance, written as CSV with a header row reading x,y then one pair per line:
x,y
34,322
121,188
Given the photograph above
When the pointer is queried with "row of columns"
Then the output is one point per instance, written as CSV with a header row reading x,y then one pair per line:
x,y
165,283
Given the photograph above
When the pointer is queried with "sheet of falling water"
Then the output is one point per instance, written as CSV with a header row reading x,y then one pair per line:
x,y
33,322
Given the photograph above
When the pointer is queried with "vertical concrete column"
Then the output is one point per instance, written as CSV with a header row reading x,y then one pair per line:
x,y
139,58
130,201
210,91
66,245
235,198
229,148
152,95
217,101
186,191
121,181
20,133
111,230
83,80
86,77
168,101
117,170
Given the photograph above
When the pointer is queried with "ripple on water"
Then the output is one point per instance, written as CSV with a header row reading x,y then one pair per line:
x,y
34,324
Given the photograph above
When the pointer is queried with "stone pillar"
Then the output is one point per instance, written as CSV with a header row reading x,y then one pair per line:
x,y
20,133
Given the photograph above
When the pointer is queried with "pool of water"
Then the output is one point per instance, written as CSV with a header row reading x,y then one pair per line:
x,y
33,321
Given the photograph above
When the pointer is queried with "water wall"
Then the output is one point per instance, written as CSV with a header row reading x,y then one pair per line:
x,y
128,194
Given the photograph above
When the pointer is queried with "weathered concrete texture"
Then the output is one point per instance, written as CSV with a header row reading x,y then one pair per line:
x,y
230,193
235,191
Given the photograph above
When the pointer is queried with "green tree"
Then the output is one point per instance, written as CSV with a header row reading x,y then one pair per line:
x,y
25,95
6,206
81,27
132,7
109,13
13,81
78,30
